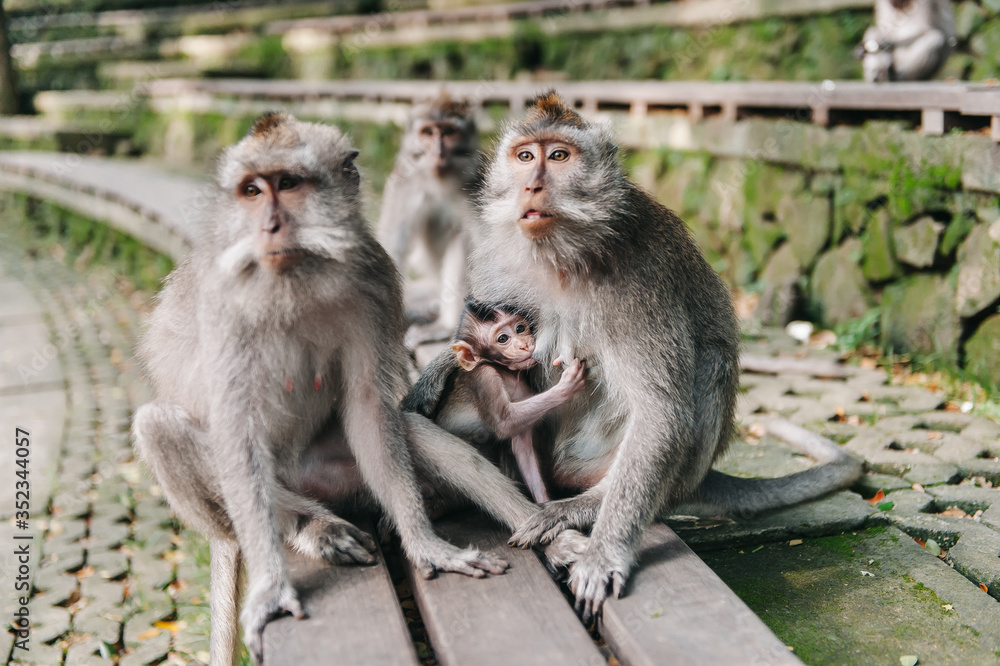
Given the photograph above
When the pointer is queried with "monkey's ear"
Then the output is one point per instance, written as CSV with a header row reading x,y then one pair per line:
x,y
349,158
467,358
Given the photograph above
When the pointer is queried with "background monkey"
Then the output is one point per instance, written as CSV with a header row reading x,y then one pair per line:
x,y
426,207
277,359
910,41
493,345
612,276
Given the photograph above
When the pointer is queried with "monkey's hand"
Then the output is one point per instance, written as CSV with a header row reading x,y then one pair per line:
x,y
551,518
442,556
593,577
564,550
336,541
573,378
264,603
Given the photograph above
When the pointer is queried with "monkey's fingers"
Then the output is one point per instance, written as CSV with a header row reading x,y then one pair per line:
x,y
617,584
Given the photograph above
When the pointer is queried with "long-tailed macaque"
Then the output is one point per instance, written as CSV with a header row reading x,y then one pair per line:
x,y
910,41
276,353
613,277
427,209
493,346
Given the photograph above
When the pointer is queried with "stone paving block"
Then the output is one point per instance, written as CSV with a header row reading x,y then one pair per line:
x,y
944,530
989,469
977,556
99,620
108,564
108,533
869,484
47,622
968,498
56,589
40,654
85,653
929,474
145,641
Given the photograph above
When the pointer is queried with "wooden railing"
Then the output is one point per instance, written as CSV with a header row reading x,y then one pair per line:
x,y
938,106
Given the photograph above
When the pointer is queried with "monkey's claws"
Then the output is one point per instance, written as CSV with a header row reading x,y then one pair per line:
x,y
470,562
592,583
263,605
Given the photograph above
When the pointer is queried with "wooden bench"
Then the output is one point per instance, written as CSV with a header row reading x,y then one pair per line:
x,y
675,611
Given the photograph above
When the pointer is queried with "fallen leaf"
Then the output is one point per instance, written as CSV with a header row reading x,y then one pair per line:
x,y
947,607
853,420
919,488
921,543
85,572
866,573
908,660
795,542
657,613
982,586
932,547
757,548
758,430
172,627
951,406
934,434
868,363
822,339
954,512
146,635
879,496
839,412
885,506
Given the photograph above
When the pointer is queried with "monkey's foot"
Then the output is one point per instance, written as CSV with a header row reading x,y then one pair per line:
x,y
564,550
263,605
552,518
336,541
592,578
446,557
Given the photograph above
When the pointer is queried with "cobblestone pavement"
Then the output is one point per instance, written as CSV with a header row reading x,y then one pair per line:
x,y
117,579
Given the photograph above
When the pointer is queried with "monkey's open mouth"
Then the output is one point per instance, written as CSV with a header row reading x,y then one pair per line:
x,y
536,224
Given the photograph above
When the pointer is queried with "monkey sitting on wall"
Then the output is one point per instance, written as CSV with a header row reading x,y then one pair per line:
x,y
612,276
276,354
426,209
910,41
493,346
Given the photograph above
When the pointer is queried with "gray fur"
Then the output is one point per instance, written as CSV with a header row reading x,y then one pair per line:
x,y
426,209
910,40
620,284
273,389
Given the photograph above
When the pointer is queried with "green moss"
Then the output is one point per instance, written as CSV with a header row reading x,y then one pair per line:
x,y
44,225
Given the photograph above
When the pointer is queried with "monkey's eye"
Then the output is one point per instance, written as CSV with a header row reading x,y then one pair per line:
x,y
448,130
503,338
525,156
520,328
559,155
287,182
427,130
250,190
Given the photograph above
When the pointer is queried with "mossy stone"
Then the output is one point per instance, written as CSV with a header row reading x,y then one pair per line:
x,y
917,242
982,351
978,272
880,258
838,290
918,315
806,219
780,276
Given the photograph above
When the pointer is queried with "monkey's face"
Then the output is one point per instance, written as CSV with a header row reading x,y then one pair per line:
x,y
441,144
273,200
538,166
512,342
288,198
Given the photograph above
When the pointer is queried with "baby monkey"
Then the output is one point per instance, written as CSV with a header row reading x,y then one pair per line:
x,y
493,345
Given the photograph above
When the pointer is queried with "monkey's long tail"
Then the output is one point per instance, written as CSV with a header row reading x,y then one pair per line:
x,y
722,494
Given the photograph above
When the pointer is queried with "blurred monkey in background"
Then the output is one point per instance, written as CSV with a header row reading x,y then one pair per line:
x,y
427,208
910,41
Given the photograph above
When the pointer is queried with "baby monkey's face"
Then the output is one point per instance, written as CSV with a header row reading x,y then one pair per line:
x,y
513,342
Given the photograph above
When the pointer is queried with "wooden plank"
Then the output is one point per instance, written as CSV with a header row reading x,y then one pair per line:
x,y
354,618
518,618
675,610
